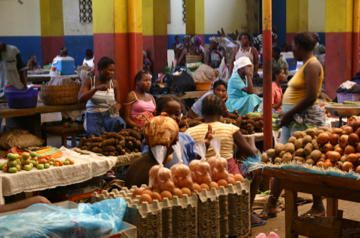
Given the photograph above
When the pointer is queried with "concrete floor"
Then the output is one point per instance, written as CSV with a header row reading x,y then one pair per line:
x,y
351,211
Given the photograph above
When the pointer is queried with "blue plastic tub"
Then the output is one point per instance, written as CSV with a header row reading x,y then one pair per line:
x,y
21,98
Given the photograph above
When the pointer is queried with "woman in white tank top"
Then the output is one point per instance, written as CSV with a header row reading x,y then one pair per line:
x,y
246,49
102,108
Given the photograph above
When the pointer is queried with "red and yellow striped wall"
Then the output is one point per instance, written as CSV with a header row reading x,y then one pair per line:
x,y
52,28
117,26
340,50
155,20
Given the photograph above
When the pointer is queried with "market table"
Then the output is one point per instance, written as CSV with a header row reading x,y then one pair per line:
x,y
330,187
6,112
85,168
40,78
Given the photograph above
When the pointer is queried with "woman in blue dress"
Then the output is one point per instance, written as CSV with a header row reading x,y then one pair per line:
x,y
241,97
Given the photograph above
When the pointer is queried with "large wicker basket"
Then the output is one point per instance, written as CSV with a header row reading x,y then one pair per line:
x,y
59,95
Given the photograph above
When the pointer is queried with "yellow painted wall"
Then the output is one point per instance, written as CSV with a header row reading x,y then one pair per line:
x,y
148,17
339,15
297,16
103,17
51,13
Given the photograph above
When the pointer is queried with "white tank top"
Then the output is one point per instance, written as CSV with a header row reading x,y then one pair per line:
x,y
101,101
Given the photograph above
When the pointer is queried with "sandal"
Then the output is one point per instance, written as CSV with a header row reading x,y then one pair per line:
x,y
266,214
256,220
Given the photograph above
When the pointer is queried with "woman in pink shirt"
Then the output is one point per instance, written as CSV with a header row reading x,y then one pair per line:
x,y
278,77
140,105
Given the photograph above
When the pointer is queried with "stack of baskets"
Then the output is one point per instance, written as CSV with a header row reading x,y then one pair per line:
x,y
66,94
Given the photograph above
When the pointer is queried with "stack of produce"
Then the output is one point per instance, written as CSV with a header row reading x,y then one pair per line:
x,y
186,201
29,160
321,147
124,142
249,124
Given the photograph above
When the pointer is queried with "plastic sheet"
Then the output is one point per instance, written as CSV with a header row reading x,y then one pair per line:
x,y
87,220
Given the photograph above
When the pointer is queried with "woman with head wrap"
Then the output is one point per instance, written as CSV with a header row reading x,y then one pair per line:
x,y
241,97
161,133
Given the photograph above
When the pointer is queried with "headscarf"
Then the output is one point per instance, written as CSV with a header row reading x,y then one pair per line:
x,y
161,130
241,63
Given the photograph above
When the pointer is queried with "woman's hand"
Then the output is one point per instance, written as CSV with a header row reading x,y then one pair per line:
x,y
101,87
286,119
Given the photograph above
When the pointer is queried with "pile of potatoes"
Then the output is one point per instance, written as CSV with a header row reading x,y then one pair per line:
x,y
113,143
323,147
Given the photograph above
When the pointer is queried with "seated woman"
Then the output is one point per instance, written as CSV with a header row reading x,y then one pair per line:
x,y
219,89
278,77
102,107
140,105
23,204
241,97
160,131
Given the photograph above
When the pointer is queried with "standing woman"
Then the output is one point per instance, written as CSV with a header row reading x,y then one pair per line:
x,y
101,97
300,109
140,105
246,49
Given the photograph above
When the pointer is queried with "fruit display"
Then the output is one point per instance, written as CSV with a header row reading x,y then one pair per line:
x,y
182,179
248,124
27,161
322,147
113,144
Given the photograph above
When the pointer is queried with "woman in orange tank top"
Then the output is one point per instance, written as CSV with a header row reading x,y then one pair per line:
x,y
300,109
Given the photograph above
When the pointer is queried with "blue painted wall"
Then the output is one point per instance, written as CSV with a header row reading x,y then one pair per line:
x,y
31,45
77,46
279,20
28,46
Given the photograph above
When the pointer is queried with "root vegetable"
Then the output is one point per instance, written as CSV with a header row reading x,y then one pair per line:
x,y
347,166
300,152
292,139
310,162
289,147
353,139
334,139
343,142
353,158
265,158
287,157
333,156
279,147
349,150
315,155
271,153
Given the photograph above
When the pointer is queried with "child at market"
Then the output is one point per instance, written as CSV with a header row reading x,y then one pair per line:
x,y
278,77
23,204
219,89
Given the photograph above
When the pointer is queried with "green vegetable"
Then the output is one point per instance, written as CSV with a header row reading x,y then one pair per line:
x,y
12,170
12,156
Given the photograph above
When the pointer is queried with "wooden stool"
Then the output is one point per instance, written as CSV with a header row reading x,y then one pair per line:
x,y
64,130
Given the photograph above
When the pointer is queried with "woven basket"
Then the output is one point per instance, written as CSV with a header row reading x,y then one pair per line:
x,y
59,95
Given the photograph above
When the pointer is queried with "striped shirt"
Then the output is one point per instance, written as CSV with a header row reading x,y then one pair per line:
x,y
222,132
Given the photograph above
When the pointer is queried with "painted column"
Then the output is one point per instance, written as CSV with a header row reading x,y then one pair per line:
x,y
356,37
195,17
117,26
267,87
339,55
297,18
52,29
155,21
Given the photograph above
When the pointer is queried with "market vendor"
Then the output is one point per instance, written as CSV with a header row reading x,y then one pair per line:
x,y
101,97
160,131
219,89
23,204
300,108
11,68
140,105
241,97
247,50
